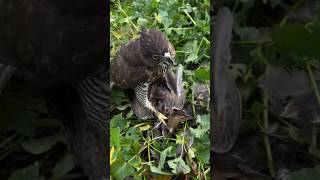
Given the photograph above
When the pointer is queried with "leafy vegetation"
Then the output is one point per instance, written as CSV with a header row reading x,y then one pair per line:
x,y
275,52
136,150
32,144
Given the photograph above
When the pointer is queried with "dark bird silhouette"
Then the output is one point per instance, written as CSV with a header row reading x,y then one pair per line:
x,y
226,101
167,95
142,62
61,43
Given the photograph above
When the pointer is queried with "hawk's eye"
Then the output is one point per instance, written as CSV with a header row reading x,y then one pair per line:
x,y
156,57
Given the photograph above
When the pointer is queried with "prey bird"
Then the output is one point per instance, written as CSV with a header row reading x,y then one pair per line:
x,y
142,62
168,96
226,97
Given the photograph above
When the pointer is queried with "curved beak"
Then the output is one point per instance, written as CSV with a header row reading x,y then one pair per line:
x,y
169,59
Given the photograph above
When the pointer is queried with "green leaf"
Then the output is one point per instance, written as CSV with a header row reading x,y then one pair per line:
x,y
203,153
204,120
192,58
198,132
306,173
115,137
63,166
123,107
41,145
163,156
165,19
117,121
202,74
142,21
133,134
30,172
117,96
297,40
122,170
158,170
130,148
257,109
179,166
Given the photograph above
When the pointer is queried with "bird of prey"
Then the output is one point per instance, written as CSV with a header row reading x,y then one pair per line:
x,y
226,116
167,95
142,62
51,44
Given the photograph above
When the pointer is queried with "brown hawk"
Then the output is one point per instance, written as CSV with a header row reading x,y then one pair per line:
x,y
142,62
52,44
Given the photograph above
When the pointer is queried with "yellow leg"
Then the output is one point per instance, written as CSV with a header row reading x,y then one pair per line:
x,y
161,117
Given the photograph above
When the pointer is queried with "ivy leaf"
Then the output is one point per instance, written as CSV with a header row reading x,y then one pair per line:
x,y
204,120
41,145
203,153
197,132
30,172
121,170
158,170
117,121
163,156
257,109
306,173
296,39
63,166
165,19
179,166
142,21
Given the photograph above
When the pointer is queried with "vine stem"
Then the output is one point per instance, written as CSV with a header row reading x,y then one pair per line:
x,y
294,7
194,23
260,56
266,136
313,82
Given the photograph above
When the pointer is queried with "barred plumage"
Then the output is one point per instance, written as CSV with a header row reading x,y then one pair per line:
x,y
59,46
141,92
93,94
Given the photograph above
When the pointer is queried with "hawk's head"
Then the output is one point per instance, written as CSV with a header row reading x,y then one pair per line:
x,y
155,45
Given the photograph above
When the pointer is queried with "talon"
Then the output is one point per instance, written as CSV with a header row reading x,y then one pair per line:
x,y
161,118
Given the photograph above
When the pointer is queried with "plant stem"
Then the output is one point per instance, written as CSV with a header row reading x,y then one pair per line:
x,y
194,23
266,136
294,7
260,56
120,8
313,82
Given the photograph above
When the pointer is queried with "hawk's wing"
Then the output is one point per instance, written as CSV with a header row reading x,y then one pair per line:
x,y
53,41
129,69
89,145
227,103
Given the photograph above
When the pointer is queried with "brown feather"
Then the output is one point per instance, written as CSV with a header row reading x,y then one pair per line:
x,y
137,61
